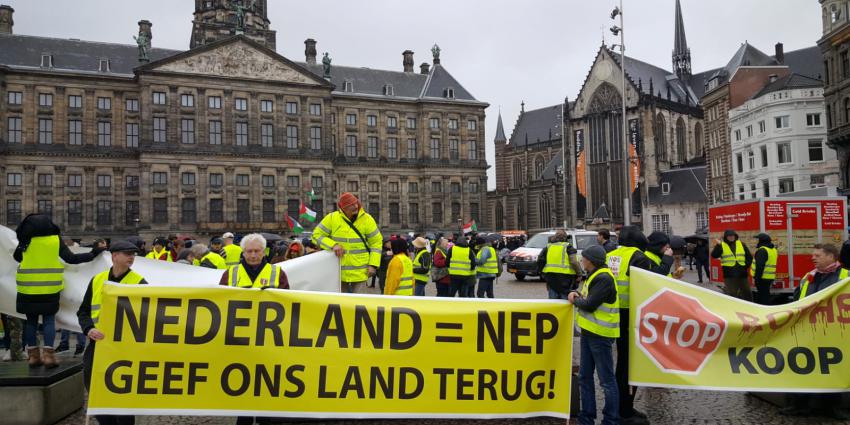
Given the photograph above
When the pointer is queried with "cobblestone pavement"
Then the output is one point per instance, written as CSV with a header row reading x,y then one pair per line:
x,y
663,406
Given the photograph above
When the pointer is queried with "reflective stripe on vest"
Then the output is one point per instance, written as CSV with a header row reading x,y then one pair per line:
x,y
238,277
605,320
417,263
460,264
618,263
232,255
558,260
491,266
728,259
336,229
804,285
769,272
131,278
40,271
405,285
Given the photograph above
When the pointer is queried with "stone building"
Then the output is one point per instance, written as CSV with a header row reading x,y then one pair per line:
x,y
113,140
834,47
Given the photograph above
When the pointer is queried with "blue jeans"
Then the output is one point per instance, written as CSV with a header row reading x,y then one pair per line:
x,y
555,295
419,289
31,328
597,354
65,337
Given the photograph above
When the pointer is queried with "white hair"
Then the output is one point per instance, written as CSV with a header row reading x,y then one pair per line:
x,y
253,237
199,250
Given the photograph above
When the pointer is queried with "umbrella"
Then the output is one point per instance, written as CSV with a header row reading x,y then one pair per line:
x,y
271,237
677,242
695,238
493,237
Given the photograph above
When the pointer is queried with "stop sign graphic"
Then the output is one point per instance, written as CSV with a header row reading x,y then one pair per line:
x,y
677,332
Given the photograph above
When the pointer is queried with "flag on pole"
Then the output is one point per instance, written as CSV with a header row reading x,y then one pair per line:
x,y
312,194
470,227
294,226
306,213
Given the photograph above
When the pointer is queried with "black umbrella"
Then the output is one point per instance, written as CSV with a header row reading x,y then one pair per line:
x,y
271,237
695,238
677,242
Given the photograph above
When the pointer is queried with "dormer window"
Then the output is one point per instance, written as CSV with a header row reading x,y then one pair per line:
x,y
348,86
449,93
665,188
46,60
103,65
388,90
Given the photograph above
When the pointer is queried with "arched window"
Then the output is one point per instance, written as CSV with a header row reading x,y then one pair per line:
x,y
660,138
543,211
698,140
681,133
539,164
500,216
516,170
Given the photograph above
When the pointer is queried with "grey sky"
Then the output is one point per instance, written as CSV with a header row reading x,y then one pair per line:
x,y
502,51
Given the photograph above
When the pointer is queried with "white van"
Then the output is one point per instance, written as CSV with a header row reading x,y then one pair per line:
x,y
522,261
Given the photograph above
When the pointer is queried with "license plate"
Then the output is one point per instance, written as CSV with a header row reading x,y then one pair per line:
x,y
511,270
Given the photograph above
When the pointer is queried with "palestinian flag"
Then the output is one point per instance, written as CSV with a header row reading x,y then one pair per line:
x,y
294,226
312,194
306,213
470,227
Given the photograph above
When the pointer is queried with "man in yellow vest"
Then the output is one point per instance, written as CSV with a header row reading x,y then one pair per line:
x,y
203,257
123,256
486,267
827,272
232,253
628,255
254,270
763,269
558,264
352,234
461,264
159,252
735,260
598,316
421,265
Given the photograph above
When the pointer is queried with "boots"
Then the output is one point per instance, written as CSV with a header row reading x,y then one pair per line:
x,y
48,358
34,357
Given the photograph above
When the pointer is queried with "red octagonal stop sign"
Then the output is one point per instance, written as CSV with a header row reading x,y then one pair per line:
x,y
677,332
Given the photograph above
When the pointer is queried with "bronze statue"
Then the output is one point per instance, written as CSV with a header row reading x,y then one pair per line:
x,y
326,64
241,9
144,46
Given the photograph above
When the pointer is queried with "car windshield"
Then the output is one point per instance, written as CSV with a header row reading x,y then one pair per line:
x,y
585,241
538,241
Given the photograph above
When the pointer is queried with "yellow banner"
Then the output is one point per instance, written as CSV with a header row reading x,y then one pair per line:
x,y
228,352
686,336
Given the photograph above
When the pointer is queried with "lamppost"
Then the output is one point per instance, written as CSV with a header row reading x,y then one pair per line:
x,y
561,171
618,30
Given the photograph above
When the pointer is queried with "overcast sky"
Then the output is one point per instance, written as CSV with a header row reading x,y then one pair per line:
x,y
502,51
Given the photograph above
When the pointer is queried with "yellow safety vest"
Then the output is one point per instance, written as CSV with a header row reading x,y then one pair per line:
x,y
605,320
405,286
238,277
618,263
40,271
335,229
769,272
163,255
459,262
558,260
728,259
655,259
232,255
215,259
422,277
804,285
132,278
491,266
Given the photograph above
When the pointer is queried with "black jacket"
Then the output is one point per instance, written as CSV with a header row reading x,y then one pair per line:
x,y
602,289
558,282
449,256
736,271
701,253
666,264
760,259
84,312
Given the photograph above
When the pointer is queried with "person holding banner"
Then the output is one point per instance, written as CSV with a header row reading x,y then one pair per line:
x,y
827,272
598,316
40,281
254,270
352,234
399,279
123,256
735,259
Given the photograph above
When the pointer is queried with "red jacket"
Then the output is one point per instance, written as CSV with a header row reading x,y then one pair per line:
x,y
440,261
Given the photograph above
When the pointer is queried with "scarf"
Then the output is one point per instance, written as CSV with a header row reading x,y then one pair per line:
x,y
828,269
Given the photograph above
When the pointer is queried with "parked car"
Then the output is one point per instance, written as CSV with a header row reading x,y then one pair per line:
x,y
522,261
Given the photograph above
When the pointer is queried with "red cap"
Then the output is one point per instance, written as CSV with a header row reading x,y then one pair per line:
x,y
347,199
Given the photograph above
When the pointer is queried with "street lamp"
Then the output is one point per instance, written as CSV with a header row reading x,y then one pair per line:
x,y
618,30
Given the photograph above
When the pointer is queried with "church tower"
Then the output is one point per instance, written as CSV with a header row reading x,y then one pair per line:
x,y
218,19
500,141
681,52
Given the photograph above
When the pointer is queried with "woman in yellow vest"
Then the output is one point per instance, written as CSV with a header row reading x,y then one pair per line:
x,y
400,270
598,316
40,281
123,256
421,265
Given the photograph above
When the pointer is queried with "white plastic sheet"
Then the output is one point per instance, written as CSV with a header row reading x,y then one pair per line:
x,y
315,272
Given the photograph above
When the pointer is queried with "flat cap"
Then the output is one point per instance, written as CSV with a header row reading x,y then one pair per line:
x,y
123,246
